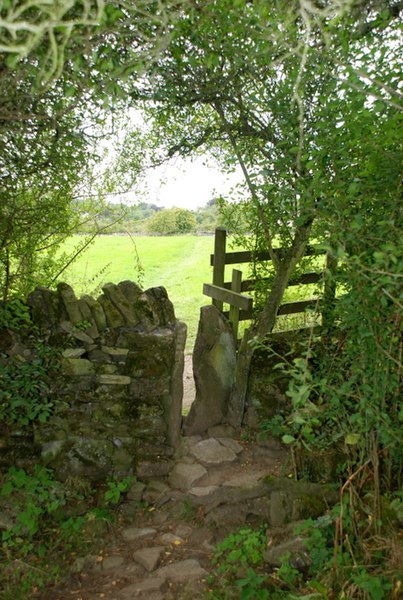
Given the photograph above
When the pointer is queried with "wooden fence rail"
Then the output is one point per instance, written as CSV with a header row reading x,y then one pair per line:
x,y
232,292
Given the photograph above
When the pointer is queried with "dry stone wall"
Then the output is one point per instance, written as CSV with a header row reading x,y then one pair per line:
x,y
120,380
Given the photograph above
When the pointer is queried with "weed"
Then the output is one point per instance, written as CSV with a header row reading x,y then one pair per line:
x,y
116,488
236,559
25,394
41,541
14,314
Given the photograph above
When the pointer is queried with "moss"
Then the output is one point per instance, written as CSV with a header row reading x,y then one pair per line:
x,y
308,506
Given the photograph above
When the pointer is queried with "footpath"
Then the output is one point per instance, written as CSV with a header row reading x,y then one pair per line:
x,y
163,548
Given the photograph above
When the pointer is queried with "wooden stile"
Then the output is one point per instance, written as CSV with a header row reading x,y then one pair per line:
x,y
232,292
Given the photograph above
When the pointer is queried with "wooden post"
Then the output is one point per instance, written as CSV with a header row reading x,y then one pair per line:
x,y
220,240
236,285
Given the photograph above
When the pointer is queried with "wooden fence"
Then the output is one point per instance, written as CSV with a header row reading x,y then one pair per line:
x,y
232,292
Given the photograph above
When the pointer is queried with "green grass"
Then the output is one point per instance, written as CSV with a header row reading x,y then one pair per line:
x,y
180,263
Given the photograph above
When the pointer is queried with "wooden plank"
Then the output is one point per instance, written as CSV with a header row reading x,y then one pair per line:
x,y
306,278
248,285
288,308
236,285
234,298
245,256
220,240
244,315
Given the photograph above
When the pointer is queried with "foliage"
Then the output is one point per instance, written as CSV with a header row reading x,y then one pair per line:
x,y
53,524
25,392
242,548
63,65
292,94
236,559
172,220
116,488
15,315
240,571
34,497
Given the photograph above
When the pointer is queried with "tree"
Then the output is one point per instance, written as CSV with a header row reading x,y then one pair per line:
x,y
307,100
172,220
63,65
265,85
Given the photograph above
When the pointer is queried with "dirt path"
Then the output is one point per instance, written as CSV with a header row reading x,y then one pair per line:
x,y
162,547
189,390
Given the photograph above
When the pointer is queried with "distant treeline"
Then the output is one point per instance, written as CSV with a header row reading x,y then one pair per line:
x,y
150,219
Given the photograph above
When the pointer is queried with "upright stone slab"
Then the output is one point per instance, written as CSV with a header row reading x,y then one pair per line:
x,y
156,308
214,360
70,302
130,290
97,312
114,294
45,307
173,408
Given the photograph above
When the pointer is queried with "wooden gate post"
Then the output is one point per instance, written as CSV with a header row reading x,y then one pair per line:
x,y
220,241
236,285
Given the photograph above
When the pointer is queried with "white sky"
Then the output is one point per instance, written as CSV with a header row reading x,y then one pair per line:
x,y
183,183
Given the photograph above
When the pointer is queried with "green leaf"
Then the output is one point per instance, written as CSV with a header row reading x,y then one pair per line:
x,y
288,439
352,439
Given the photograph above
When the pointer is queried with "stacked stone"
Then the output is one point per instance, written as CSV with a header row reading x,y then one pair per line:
x,y
121,377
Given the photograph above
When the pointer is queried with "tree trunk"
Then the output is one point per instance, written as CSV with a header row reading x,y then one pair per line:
x,y
264,323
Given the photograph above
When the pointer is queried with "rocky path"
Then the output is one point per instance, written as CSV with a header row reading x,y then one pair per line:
x,y
162,549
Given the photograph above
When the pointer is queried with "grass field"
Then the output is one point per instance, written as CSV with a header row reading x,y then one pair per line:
x,y
179,263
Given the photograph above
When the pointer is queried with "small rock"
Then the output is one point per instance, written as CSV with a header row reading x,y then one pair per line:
x,y
51,450
230,443
155,485
77,366
81,336
184,476
114,380
201,537
218,431
245,479
193,439
210,452
295,548
170,538
183,530
149,558
136,491
73,352
155,491
148,470
205,491
83,563
147,586
115,353
130,534
112,562
184,570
